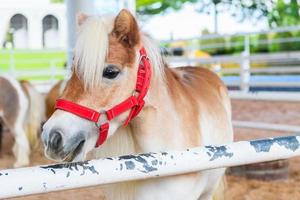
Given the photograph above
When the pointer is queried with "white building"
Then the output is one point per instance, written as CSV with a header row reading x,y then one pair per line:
x,y
35,23
39,24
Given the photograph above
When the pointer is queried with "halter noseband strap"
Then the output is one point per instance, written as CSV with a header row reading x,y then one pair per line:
x,y
134,102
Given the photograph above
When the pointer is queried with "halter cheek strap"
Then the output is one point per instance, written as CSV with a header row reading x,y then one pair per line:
x,y
133,103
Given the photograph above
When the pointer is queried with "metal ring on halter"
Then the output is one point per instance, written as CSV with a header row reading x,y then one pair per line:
x,y
102,113
135,93
143,56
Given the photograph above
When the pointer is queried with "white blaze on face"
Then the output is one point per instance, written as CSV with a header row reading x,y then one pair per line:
x,y
71,128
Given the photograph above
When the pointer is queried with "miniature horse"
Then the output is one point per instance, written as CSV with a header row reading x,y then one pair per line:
x,y
184,107
21,113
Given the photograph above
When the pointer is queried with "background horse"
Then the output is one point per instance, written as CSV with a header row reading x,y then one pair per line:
x,y
22,110
184,107
52,95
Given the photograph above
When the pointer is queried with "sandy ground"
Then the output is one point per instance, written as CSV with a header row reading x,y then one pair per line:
x,y
238,188
272,112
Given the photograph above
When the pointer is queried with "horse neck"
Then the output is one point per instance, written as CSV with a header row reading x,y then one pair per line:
x,y
153,129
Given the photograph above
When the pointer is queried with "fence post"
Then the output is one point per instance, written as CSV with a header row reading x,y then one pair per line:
x,y
245,65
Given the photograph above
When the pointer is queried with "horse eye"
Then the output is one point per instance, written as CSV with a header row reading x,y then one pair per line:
x,y
111,72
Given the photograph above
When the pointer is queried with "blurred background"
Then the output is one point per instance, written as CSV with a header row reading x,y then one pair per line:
x,y
254,45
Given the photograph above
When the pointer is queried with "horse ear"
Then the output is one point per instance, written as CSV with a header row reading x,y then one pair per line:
x,y
80,18
126,29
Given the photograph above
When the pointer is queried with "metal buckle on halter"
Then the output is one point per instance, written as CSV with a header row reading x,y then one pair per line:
x,y
102,113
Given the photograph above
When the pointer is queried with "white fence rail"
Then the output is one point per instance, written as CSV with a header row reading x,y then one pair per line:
x,y
40,64
243,57
266,96
39,73
245,70
261,57
42,179
267,126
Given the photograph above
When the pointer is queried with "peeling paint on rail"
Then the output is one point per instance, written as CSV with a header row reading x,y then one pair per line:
x,y
142,166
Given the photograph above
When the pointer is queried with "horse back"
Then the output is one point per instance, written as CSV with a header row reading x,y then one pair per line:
x,y
201,99
196,81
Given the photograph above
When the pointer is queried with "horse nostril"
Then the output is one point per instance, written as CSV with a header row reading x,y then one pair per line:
x,y
55,140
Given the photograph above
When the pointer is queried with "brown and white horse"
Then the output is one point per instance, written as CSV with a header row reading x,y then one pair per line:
x,y
51,97
22,110
184,107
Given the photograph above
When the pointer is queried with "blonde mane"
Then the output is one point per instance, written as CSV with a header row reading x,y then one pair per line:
x,y
92,47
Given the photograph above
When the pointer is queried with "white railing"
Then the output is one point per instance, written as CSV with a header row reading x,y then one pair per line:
x,y
244,58
245,70
42,179
266,126
35,67
266,96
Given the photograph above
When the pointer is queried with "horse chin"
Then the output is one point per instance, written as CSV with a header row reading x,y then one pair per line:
x,y
77,154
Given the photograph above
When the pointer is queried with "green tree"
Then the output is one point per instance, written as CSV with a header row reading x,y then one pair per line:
x,y
57,1
236,44
284,14
259,43
241,9
152,7
284,46
214,46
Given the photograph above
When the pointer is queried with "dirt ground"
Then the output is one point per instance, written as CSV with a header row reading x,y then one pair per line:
x,y
272,112
237,188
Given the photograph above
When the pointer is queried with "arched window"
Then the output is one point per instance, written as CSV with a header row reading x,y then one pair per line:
x,y
18,28
50,32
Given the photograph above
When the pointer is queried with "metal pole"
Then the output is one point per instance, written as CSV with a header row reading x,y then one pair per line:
x,y
73,8
215,14
71,21
245,66
42,179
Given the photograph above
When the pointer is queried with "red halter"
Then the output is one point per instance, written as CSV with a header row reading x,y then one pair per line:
x,y
134,102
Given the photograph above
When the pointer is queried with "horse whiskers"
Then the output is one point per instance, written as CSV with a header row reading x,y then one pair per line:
x,y
71,155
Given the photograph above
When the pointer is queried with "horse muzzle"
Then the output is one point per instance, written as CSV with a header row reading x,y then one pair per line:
x,y
59,149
